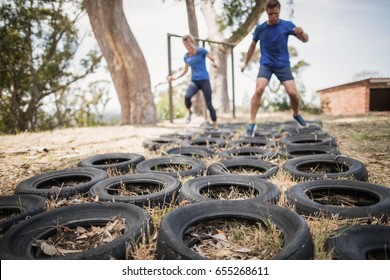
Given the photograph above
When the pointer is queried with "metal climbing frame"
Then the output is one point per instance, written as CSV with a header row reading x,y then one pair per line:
x,y
170,71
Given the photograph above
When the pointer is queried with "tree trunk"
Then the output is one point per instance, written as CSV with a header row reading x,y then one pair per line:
x,y
125,61
192,20
198,103
219,76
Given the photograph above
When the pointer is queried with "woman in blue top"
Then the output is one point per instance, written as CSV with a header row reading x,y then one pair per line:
x,y
196,59
273,36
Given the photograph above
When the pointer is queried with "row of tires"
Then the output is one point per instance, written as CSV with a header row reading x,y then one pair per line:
x,y
307,198
215,142
79,180
91,170
252,151
288,146
275,140
356,242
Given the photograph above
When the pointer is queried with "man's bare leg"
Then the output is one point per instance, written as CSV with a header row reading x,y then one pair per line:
x,y
292,92
261,83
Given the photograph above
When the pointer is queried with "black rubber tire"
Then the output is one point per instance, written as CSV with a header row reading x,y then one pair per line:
x,y
252,142
298,242
305,150
268,169
267,134
266,131
232,126
16,243
309,139
181,136
105,190
312,129
19,208
358,242
269,126
209,142
197,167
248,152
301,198
316,122
159,143
191,151
354,168
266,192
117,161
285,127
221,133
42,184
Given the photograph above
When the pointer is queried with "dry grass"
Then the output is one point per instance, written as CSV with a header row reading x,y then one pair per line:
x,y
75,240
229,193
134,189
365,138
230,239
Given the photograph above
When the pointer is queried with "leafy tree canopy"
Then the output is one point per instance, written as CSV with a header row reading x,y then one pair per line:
x,y
38,43
234,13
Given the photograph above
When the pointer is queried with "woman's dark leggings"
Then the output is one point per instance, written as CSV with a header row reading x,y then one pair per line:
x,y
205,86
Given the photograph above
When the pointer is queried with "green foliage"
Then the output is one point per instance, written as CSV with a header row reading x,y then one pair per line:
x,y
5,120
81,107
299,66
253,63
179,109
365,74
38,43
280,103
235,12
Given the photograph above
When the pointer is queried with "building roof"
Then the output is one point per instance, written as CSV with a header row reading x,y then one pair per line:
x,y
371,82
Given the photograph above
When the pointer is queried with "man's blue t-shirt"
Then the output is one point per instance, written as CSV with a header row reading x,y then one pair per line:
x,y
273,43
197,63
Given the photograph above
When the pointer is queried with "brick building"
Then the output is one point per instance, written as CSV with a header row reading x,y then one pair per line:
x,y
356,98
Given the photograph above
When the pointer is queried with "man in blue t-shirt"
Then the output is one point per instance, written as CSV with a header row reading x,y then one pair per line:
x,y
273,36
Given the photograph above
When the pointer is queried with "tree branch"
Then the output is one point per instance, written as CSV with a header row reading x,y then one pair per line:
x,y
250,22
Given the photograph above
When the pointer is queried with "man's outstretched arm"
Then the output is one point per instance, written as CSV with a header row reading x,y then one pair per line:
x,y
249,55
300,34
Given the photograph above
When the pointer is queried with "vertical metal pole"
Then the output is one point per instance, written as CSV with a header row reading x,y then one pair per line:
x,y
204,103
170,83
233,91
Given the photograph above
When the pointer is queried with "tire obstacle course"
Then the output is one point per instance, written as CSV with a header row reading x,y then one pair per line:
x,y
325,180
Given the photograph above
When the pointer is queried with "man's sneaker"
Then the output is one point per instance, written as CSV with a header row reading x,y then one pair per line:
x,y
301,121
250,131
188,120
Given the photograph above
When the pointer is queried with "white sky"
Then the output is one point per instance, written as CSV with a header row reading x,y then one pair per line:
x,y
346,37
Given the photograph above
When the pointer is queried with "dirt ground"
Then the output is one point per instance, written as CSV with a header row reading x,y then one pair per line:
x,y
366,138
28,154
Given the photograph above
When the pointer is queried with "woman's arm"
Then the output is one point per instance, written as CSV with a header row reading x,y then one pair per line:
x,y
213,60
185,70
